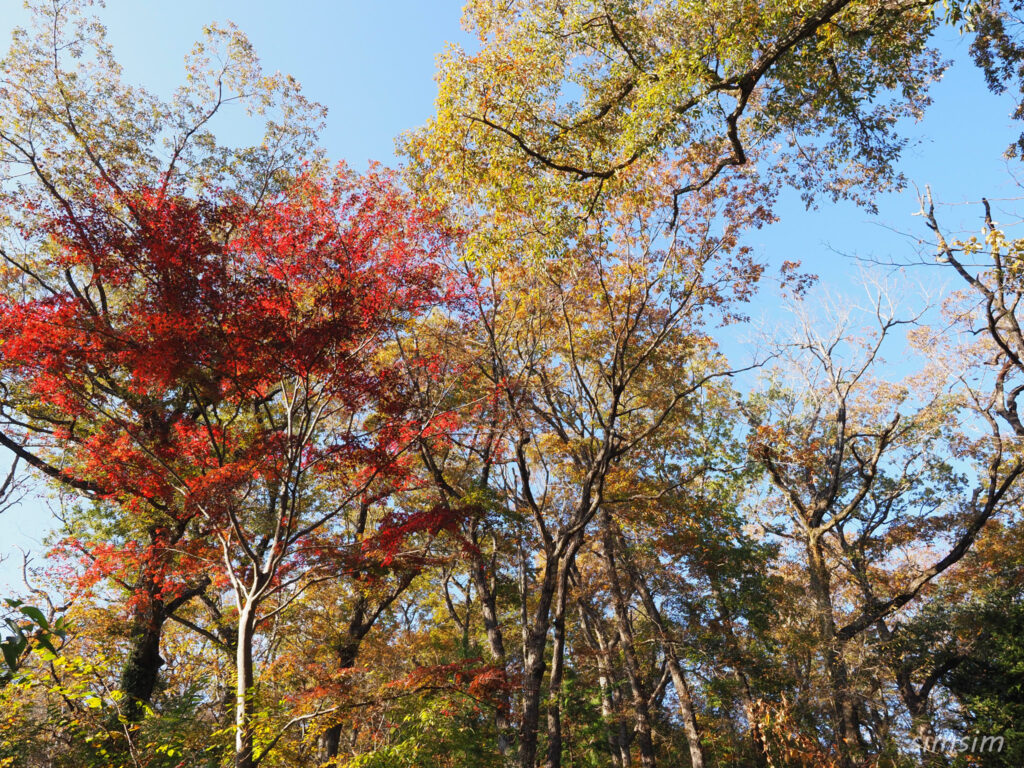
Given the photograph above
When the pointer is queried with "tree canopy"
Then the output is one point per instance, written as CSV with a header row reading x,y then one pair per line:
x,y
450,464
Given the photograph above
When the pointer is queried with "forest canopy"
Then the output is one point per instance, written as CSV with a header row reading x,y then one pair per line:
x,y
458,463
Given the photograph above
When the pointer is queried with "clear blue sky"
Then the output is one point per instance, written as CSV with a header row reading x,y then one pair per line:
x,y
372,64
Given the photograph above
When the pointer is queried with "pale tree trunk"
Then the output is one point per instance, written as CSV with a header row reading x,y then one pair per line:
x,y
555,680
625,732
495,644
244,693
602,652
687,713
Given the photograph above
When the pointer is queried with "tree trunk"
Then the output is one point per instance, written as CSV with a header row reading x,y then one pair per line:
x,y
686,710
848,740
644,737
495,644
361,620
600,644
142,666
924,731
687,713
756,736
916,703
330,740
555,680
535,639
746,696
244,757
141,669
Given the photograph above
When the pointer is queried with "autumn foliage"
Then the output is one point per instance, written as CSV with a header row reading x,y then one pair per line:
x,y
471,464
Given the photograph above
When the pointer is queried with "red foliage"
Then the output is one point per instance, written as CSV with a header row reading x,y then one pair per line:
x,y
164,328
486,683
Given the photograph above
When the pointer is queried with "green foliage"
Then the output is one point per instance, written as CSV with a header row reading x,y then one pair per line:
x,y
989,684
437,732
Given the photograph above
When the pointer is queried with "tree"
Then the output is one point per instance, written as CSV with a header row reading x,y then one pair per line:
x,y
569,384
67,122
864,469
451,468
564,100
587,133
221,344
230,362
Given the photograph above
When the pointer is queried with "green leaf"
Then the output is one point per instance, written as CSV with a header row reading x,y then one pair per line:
x,y
44,641
12,650
36,615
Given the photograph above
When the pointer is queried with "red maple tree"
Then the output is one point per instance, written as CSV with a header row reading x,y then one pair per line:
x,y
226,373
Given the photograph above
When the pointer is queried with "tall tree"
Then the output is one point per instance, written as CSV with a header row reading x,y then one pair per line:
x,y
229,360
864,469
67,122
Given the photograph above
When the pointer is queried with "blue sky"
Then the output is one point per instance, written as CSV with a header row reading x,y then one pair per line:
x,y
372,65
